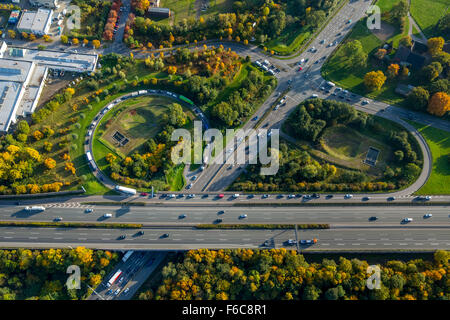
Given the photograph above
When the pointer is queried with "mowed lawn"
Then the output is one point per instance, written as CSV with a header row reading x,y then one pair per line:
x,y
138,119
439,143
338,71
351,146
427,13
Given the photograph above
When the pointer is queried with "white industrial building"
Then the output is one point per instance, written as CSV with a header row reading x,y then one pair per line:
x,y
36,22
52,4
22,77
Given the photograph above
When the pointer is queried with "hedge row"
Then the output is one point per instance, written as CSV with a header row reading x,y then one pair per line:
x,y
262,226
70,225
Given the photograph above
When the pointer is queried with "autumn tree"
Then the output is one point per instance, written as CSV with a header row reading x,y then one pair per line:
x,y
435,45
392,70
50,163
374,80
439,104
96,44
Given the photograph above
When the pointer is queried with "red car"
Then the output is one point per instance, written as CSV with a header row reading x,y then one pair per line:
x,y
221,195
300,69
144,194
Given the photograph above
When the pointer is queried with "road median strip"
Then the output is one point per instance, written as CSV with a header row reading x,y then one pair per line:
x,y
70,225
262,226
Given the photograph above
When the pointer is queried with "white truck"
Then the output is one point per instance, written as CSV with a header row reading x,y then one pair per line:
x,y
125,190
35,208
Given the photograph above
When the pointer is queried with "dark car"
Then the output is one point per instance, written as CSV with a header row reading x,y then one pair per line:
x,y
299,195
165,235
218,221
250,196
221,212
329,196
373,218
280,196
205,196
122,237
316,195
140,233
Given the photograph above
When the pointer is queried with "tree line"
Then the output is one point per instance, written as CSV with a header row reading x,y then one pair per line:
x,y
280,274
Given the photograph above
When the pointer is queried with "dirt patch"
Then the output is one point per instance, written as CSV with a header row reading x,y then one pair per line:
x,y
387,31
52,86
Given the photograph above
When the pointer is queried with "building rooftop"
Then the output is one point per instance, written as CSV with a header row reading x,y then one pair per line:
x,y
35,21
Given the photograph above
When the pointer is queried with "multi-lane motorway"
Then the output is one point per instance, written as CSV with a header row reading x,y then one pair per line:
x,y
183,238
179,215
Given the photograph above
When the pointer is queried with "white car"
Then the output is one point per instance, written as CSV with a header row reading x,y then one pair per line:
x,y
88,210
126,290
407,219
348,196
428,215
107,215
171,196
236,195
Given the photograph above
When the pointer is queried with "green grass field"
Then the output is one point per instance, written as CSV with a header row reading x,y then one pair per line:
x,y
337,70
439,143
175,178
351,146
289,41
386,5
427,13
137,119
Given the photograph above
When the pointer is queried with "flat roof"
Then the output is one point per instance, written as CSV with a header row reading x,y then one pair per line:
x,y
14,70
9,96
35,20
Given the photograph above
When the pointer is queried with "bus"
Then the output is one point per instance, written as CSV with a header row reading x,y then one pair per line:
x,y
183,98
127,255
125,190
89,156
114,278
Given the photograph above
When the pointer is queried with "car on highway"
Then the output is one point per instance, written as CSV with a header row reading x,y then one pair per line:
x,y
329,196
180,195
121,237
170,196
140,233
88,210
255,118
316,62
243,216
144,194
126,291
58,219
391,198
250,196
322,41
218,220
428,215
117,291
373,218
107,215
290,242
266,243
220,196
364,102
291,196
405,220
308,241
366,198
236,195
189,186
348,196
182,216
165,235
264,196
300,69
280,196
316,195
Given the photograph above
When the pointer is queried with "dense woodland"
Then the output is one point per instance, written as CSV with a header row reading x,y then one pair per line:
x,y
41,274
259,19
300,171
245,274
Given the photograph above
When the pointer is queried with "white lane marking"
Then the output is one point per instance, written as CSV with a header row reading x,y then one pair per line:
x,y
200,239
434,244
387,244
57,238
82,238
32,237
403,244
7,237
